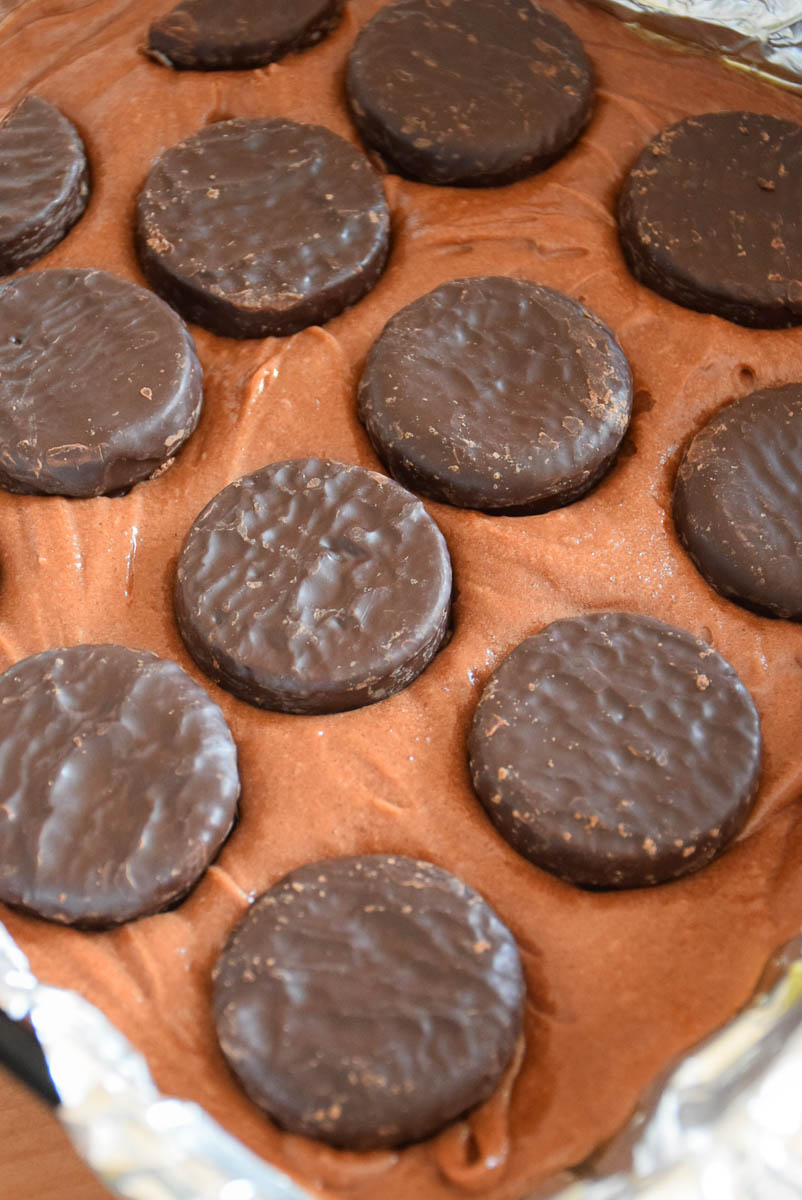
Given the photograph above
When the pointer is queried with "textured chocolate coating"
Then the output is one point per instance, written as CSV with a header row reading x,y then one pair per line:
x,y
118,784
497,394
100,385
369,1001
313,587
476,93
709,217
206,35
44,182
616,751
257,228
738,501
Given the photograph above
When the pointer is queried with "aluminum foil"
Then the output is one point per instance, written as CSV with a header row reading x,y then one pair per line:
x,y
726,1124
763,36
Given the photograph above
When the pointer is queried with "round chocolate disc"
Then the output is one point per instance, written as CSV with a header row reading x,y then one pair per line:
x,y
478,93
709,217
369,1001
205,35
118,786
738,501
616,751
313,587
258,228
44,182
99,383
497,394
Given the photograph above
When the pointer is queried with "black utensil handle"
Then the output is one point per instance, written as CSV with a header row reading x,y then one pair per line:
x,y
21,1053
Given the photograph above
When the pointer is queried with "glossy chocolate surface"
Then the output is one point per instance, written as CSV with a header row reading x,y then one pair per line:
x,y
205,35
119,784
369,1001
44,181
100,385
497,394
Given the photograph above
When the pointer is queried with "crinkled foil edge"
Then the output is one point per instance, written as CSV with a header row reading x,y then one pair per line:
x,y
761,36
726,1125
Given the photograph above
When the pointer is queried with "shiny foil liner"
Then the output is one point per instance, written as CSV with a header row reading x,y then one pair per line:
x,y
726,1124
762,36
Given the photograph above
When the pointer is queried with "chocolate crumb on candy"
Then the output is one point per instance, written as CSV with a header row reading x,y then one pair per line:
x,y
616,751
258,228
709,217
477,93
738,501
118,784
497,394
44,182
367,1002
100,385
208,35
313,587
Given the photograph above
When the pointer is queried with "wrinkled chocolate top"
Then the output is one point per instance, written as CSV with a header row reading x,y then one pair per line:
x,y
709,217
205,35
119,784
44,181
313,586
253,228
497,394
479,92
392,778
368,1001
100,385
616,751
738,501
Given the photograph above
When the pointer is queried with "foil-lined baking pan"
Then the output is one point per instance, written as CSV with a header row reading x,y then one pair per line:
x,y
726,1125
763,36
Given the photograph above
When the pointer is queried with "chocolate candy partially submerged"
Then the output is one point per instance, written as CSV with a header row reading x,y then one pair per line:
x,y
477,93
313,587
616,751
368,1001
118,784
99,383
257,228
44,182
738,501
497,394
206,35
709,217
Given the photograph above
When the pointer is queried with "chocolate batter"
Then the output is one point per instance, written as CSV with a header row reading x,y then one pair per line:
x,y
393,778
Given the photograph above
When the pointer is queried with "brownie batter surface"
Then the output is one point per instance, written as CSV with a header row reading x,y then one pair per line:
x,y
617,984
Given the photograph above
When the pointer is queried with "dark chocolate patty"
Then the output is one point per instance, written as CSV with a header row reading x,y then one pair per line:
x,y
44,182
313,587
471,92
208,35
118,784
738,501
709,217
497,394
368,1001
257,228
616,751
99,383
